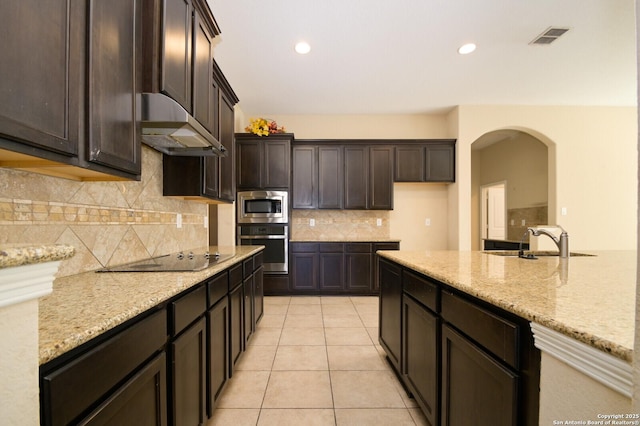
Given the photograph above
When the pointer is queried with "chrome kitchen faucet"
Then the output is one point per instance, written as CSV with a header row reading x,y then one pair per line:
x,y
562,242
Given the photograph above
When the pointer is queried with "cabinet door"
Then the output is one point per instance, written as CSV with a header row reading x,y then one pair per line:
x,y
188,364
409,163
277,167
141,401
249,327
114,82
236,326
211,178
476,389
204,101
305,177
420,349
40,105
330,177
303,271
390,316
331,268
440,165
358,266
218,358
249,163
356,177
380,178
258,294
227,191
176,51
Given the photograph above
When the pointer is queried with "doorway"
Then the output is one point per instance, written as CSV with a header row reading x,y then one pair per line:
x,y
494,211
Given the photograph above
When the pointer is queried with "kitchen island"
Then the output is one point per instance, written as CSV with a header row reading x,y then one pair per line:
x,y
581,311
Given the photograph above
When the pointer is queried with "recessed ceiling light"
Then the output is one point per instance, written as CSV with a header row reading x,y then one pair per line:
x,y
303,48
465,49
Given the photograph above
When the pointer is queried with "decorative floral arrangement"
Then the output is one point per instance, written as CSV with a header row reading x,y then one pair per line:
x,y
263,127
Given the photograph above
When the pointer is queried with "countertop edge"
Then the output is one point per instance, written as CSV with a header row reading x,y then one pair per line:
x,y
20,255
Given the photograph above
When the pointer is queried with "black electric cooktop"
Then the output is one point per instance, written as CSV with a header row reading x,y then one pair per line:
x,y
178,262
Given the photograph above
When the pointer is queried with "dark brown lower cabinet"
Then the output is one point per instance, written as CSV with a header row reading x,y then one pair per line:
x,y
236,322
142,401
218,343
303,272
333,267
188,371
390,314
466,361
420,352
476,389
358,267
69,390
248,309
258,293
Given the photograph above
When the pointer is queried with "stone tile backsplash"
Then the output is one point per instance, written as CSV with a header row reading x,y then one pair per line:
x,y
532,216
108,223
339,225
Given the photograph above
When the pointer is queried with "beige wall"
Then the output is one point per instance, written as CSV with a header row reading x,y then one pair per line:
x,y
592,169
108,223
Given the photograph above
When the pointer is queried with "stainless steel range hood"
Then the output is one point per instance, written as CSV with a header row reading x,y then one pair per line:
x,y
169,128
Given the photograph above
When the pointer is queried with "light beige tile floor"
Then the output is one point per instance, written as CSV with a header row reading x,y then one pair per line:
x,y
316,361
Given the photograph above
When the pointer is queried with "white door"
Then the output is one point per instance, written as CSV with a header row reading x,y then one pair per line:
x,y
494,212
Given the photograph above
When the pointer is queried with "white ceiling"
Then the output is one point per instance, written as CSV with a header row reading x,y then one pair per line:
x,y
400,57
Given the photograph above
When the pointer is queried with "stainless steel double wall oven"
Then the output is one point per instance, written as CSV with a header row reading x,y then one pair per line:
x,y
263,219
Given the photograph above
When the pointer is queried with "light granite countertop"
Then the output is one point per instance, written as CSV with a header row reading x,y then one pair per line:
x,y
19,255
86,305
590,298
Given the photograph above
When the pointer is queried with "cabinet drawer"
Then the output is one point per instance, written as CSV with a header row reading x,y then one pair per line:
x,y
258,260
357,248
421,289
235,276
186,309
498,335
303,247
247,267
71,389
331,247
217,287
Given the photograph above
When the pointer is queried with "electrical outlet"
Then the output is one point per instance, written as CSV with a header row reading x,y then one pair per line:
x,y
563,211
312,222
513,222
379,222
179,220
427,222
524,222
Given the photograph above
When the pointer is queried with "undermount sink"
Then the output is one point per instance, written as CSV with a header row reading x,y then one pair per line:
x,y
514,253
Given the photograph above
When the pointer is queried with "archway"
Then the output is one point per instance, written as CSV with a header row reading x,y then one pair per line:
x,y
525,163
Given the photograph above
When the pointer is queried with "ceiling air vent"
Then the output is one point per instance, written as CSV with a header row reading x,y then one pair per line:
x,y
549,35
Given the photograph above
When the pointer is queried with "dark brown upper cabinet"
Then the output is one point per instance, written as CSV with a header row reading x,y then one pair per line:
x,y
334,174
368,177
317,177
208,179
263,162
425,162
178,48
69,108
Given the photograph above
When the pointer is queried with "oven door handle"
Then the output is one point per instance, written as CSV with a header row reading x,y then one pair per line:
x,y
263,237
